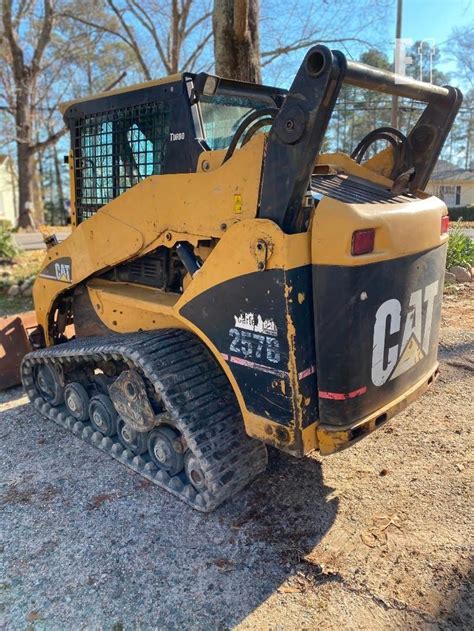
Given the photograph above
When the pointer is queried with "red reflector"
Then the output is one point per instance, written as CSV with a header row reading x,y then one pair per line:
x,y
444,224
363,241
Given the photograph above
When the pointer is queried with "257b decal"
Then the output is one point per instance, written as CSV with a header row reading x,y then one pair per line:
x,y
255,337
255,345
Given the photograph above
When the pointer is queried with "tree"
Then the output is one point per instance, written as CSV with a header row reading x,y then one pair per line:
x,y
171,37
461,48
25,71
242,50
43,61
236,39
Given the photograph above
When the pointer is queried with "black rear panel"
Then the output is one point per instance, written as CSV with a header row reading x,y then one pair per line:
x,y
377,331
257,321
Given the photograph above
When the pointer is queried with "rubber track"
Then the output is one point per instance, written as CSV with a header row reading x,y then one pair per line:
x,y
194,391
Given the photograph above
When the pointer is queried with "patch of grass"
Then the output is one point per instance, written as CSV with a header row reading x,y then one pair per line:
x,y
22,266
460,249
18,304
26,264
461,224
7,247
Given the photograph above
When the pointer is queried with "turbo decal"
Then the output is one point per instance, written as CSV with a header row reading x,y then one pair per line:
x,y
389,362
60,270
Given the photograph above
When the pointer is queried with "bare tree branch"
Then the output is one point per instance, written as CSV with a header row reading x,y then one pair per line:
x,y
196,23
94,25
305,43
16,51
51,140
44,36
142,16
188,64
132,40
115,82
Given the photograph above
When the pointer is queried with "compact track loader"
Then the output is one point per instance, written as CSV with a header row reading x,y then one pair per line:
x,y
228,286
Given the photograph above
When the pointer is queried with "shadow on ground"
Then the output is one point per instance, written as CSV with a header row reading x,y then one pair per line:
x,y
457,611
87,542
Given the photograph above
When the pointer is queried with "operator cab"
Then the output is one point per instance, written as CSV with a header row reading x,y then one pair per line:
x,y
121,137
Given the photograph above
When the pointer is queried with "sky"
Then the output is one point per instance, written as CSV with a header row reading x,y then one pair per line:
x,y
431,20
425,19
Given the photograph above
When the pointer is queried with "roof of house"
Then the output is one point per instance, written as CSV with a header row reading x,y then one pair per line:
x,y
445,170
3,159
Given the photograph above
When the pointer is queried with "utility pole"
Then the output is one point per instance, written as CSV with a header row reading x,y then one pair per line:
x,y
398,35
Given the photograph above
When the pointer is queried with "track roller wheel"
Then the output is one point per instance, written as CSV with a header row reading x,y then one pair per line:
x,y
103,416
194,472
135,441
101,383
49,385
77,400
166,449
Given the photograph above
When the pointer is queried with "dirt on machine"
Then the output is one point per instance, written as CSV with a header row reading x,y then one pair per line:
x,y
227,286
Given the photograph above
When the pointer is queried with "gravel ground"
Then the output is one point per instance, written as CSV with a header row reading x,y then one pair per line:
x,y
376,537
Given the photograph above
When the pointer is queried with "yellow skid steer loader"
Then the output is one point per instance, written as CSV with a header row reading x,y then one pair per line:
x,y
228,286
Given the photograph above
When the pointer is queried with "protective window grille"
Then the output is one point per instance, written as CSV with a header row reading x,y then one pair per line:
x,y
114,150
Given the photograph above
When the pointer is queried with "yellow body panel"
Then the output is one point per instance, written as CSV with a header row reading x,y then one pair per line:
x,y
153,213
399,230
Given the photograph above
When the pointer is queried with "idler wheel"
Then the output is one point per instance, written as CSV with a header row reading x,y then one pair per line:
x,y
135,441
77,400
166,449
48,383
194,472
103,416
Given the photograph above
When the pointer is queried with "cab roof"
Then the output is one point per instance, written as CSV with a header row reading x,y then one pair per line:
x,y
63,107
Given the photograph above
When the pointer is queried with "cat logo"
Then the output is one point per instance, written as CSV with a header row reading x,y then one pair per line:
x,y
60,270
389,363
63,272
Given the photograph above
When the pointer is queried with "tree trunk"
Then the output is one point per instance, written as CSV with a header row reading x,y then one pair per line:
x,y
26,169
236,39
26,160
174,37
38,212
59,186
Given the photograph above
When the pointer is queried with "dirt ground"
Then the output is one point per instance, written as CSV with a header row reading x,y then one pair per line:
x,y
376,537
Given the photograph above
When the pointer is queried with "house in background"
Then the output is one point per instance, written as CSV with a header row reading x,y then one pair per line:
x,y
452,184
8,205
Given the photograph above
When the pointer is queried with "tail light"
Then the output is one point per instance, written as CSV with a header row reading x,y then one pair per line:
x,y
444,224
363,241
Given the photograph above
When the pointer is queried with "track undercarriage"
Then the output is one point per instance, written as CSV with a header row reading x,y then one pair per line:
x,y
193,442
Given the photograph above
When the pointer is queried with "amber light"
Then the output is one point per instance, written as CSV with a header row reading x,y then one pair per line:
x,y
363,241
444,224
